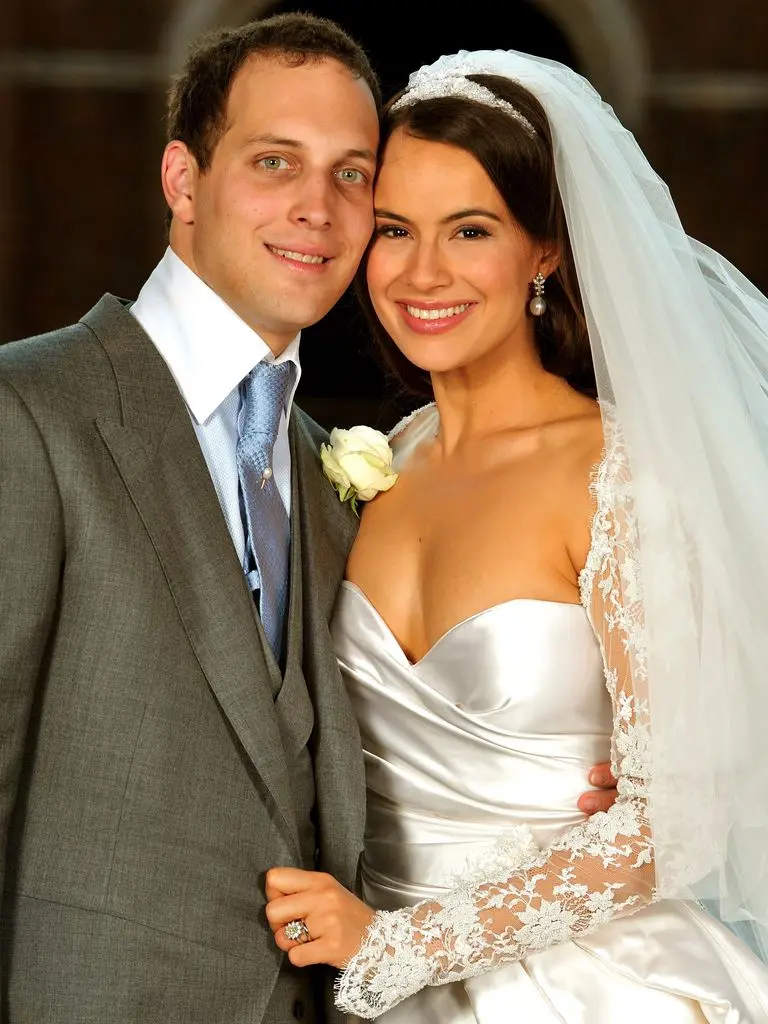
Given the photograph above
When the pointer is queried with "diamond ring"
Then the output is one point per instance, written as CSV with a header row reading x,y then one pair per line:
x,y
297,931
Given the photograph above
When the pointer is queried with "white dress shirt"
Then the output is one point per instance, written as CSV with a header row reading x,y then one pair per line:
x,y
209,350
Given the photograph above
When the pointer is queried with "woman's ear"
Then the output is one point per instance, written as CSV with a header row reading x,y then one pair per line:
x,y
549,261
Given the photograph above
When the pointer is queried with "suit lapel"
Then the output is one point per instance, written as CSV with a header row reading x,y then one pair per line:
x,y
164,471
327,531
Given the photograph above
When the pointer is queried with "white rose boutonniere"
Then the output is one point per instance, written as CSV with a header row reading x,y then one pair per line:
x,y
358,462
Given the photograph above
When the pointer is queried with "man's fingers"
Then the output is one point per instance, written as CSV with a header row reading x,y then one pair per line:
x,y
591,803
601,776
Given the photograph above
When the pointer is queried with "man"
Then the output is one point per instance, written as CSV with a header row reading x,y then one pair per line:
x,y
173,720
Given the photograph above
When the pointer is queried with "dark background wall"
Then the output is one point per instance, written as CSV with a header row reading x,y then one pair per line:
x,y
81,107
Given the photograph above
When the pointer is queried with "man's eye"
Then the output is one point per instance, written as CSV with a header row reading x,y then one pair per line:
x,y
351,176
273,163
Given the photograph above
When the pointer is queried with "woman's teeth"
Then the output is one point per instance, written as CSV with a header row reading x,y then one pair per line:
x,y
298,256
437,314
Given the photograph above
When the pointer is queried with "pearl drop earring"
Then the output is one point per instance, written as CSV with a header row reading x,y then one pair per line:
x,y
538,304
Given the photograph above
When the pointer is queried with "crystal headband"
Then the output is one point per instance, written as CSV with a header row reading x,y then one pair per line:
x,y
437,86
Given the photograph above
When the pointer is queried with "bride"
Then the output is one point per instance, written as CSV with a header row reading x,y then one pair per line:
x,y
573,558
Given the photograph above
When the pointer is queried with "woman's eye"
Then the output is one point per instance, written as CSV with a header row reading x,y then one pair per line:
x,y
473,232
273,163
391,231
351,176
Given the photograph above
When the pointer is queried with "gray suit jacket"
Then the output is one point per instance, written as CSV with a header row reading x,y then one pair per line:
x,y
145,781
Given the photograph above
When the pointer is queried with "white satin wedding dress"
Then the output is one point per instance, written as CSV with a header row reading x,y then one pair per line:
x,y
476,756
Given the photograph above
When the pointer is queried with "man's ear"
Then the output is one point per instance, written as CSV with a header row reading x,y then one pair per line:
x,y
179,173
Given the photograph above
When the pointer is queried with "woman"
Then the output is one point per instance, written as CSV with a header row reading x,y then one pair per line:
x,y
548,576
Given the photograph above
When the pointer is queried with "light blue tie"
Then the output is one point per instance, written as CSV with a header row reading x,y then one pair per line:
x,y
268,535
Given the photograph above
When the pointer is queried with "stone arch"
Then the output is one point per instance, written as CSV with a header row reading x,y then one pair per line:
x,y
191,17
606,36
610,44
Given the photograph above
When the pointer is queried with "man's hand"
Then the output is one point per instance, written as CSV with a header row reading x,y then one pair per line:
x,y
336,920
604,797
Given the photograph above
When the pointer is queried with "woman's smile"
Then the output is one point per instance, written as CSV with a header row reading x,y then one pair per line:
x,y
434,318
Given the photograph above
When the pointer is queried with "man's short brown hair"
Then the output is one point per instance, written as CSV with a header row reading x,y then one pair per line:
x,y
197,101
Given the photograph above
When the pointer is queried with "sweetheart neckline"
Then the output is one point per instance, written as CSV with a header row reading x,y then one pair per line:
x,y
354,589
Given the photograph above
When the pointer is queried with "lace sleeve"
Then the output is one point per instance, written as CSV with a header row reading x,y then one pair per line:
x,y
601,869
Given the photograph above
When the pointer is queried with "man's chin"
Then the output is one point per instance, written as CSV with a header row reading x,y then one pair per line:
x,y
282,329
302,313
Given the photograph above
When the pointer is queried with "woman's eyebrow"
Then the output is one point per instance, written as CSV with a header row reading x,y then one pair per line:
x,y
459,215
391,216
473,212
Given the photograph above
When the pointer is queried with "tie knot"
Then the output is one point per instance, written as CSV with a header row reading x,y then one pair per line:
x,y
266,389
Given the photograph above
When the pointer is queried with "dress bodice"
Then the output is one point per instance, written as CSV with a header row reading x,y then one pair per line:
x,y
489,736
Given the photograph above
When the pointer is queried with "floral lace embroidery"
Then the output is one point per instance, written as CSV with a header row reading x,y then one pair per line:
x,y
601,869
419,426
407,420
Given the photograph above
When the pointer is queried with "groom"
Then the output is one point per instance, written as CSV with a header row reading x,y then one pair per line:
x,y
173,722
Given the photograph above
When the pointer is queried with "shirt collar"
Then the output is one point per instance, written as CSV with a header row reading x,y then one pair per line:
x,y
205,344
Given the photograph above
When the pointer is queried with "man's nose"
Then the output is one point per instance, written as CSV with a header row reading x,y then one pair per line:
x,y
314,203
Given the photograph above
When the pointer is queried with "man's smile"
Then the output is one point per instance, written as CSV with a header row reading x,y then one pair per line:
x,y
305,258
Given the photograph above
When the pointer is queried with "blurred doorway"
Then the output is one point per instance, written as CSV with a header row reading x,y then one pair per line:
x,y
341,382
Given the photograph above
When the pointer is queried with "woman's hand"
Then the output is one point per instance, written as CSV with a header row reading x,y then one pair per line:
x,y
335,919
